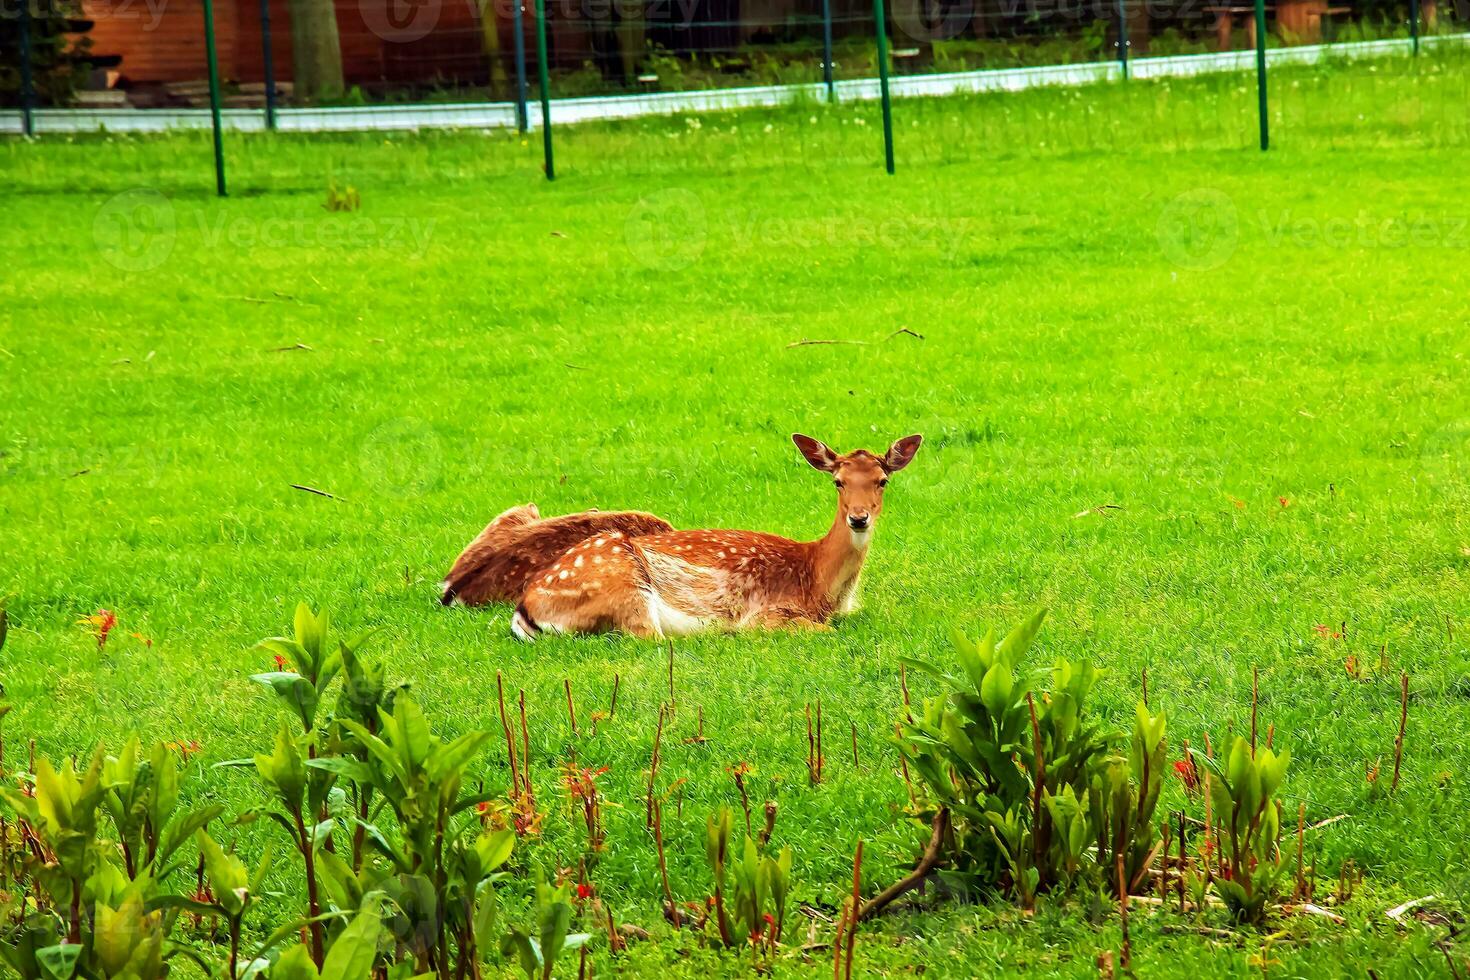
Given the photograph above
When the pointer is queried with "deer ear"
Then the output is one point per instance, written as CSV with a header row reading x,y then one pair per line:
x,y
901,453
816,452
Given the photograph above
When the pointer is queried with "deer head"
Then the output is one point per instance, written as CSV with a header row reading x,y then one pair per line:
x,y
860,477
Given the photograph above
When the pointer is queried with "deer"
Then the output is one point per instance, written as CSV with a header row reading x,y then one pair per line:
x,y
505,557
682,582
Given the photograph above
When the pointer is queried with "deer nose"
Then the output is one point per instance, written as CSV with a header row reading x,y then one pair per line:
x,y
859,521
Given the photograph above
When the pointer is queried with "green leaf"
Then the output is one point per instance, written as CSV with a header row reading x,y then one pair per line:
x,y
996,688
294,964
487,910
1018,640
341,765
295,690
310,631
182,830
414,729
452,758
352,953
494,849
526,950
228,879
378,749
58,962
284,768
554,916
969,655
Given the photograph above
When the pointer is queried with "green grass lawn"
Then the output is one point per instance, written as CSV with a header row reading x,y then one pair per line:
x,y
1195,399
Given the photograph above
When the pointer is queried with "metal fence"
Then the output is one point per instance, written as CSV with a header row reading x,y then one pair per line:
x,y
1206,73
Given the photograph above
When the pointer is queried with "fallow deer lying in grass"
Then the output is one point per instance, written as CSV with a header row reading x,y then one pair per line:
x,y
686,581
499,564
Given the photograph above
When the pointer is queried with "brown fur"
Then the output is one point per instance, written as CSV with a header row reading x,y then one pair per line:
x,y
497,565
679,581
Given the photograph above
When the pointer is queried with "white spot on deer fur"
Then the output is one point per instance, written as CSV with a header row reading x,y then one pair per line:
x,y
578,562
564,574
548,580
597,559
597,543
616,549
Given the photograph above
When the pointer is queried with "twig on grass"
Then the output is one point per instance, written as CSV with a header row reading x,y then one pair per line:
x,y
817,343
319,493
927,863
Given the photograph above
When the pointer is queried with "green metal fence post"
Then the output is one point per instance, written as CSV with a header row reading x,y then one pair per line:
x,y
1123,39
268,62
827,50
1261,73
1414,24
219,146
520,49
27,83
550,164
882,26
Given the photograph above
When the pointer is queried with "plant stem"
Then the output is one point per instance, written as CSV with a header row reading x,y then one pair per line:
x,y
1398,744
526,749
510,742
658,736
663,866
313,906
857,902
1255,696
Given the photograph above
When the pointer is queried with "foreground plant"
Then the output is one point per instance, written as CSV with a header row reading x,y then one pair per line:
x,y
750,888
85,901
537,945
1022,789
1247,819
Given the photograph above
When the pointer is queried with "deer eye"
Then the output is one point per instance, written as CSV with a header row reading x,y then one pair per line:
x,y
837,484
883,482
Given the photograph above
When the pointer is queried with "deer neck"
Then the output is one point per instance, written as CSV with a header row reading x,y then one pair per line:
x,y
839,557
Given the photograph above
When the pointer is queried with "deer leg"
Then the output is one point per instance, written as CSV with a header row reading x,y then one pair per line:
x,y
594,587
777,619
